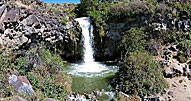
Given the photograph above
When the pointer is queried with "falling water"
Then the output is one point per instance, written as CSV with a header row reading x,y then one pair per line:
x,y
89,64
89,74
87,30
89,67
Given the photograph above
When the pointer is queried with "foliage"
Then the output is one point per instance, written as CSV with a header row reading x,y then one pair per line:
x,y
44,86
130,11
5,64
140,75
184,51
181,7
132,41
39,56
63,21
43,69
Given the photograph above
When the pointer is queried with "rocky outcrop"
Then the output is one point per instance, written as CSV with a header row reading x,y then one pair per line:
x,y
23,24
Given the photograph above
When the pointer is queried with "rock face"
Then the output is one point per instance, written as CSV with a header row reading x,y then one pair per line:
x,y
23,24
20,83
106,46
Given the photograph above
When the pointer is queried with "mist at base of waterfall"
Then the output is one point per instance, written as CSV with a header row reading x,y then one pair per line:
x,y
92,70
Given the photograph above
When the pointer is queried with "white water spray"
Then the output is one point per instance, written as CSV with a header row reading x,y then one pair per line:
x,y
89,65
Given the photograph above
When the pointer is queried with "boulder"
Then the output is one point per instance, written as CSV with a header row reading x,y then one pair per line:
x,y
178,69
21,83
12,15
170,93
23,39
32,20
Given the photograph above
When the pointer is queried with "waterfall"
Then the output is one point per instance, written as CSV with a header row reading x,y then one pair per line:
x,y
89,75
88,65
87,30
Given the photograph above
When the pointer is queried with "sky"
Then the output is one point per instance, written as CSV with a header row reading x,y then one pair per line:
x,y
61,1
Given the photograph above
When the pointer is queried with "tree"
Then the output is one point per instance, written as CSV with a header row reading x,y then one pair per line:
x,y
139,75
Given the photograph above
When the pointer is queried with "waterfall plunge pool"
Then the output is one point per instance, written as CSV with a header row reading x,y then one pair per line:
x,y
90,75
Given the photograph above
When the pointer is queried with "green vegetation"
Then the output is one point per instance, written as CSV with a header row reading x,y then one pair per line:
x,y
133,40
140,75
43,68
5,63
184,52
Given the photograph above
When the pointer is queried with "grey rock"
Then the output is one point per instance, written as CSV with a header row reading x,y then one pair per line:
x,y
170,93
12,15
24,39
2,9
178,69
2,28
32,20
20,83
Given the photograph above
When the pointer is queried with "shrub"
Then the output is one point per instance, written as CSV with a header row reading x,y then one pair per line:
x,y
133,40
5,64
63,21
43,68
182,59
140,75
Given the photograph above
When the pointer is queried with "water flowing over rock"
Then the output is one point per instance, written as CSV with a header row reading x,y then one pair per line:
x,y
88,66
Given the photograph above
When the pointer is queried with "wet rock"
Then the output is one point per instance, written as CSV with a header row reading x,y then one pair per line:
x,y
18,99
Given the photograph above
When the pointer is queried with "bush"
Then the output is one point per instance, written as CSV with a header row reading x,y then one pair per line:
x,y
43,68
139,75
63,21
130,11
182,59
39,56
133,40
5,64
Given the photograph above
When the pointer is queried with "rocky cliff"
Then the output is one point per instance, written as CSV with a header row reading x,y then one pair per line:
x,y
24,23
160,22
